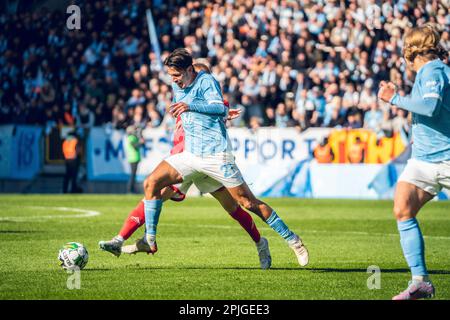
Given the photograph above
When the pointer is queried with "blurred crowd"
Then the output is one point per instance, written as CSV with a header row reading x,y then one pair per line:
x,y
285,63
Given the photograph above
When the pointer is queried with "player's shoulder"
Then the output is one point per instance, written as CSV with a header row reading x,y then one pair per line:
x,y
205,78
433,74
435,68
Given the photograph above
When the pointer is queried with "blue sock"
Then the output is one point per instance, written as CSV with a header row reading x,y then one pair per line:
x,y
152,209
275,222
413,246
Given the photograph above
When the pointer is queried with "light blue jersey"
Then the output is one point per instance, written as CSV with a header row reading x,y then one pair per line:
x,y
203,124
429,103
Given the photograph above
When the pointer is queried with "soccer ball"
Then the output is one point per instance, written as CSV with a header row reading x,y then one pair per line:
x,y
73,256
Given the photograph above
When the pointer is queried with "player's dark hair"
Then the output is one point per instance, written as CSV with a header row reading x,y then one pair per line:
x,y
179,59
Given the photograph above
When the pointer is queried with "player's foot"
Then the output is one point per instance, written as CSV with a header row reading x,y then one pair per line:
x,y
416,290
300,250
114,246
151,240
139,246
265,260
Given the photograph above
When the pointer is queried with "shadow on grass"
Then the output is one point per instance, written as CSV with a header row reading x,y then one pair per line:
x,y
97,269
341,270
18,231
362,270
137,268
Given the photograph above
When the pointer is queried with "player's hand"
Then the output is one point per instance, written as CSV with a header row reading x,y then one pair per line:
x,y
234,113
178,108
386,91
151,240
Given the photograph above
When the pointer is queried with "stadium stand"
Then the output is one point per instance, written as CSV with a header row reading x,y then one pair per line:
x,y
285,63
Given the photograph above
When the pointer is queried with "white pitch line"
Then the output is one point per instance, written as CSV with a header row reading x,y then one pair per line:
x,y
363,233
83,214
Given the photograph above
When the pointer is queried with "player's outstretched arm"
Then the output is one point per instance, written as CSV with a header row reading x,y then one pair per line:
x,y
214,107
211,109
423,106
212,102
426,103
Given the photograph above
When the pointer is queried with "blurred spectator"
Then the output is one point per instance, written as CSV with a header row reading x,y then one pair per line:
x,y
353,119
281,116
323,152
386,126
132,147
71,151
67,118
153,116
373,118
85,118
356,152
400,122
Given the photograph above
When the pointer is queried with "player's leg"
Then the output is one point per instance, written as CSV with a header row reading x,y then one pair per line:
x,y
408,200
245,197
134,220
236,212
246,222
132,178
66,178
74,174
175,193
208,185
221,167
163,175
416,186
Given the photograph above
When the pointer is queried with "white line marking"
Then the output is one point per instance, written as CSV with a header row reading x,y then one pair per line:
x,y
83,214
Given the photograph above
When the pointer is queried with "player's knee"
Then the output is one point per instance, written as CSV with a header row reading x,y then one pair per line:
x,y
402,211
248,204
150,185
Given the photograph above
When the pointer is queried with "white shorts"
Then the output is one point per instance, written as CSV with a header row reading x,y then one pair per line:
x,y
220,167
428,176
203,183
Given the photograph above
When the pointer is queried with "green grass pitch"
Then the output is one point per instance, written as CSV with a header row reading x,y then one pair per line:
x,y
204,254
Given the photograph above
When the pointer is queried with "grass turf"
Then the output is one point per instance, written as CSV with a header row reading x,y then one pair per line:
x,y
204,254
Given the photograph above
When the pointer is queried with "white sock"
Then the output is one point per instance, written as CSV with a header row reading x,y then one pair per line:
x,y
119,238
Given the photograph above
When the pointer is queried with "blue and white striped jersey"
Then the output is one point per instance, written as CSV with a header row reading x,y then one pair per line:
x,y
203,124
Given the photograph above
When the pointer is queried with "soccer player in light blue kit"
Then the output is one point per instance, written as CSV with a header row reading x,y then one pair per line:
x,y
428,170
197,97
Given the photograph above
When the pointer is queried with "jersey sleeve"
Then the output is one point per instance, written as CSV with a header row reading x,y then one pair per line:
x,y
212,102
427,99
432,85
